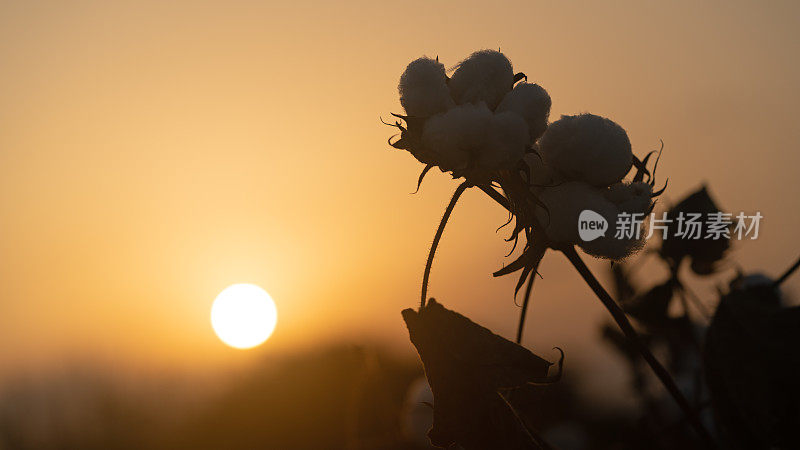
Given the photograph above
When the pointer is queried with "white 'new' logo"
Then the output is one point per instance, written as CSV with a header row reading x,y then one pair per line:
x,y
591,225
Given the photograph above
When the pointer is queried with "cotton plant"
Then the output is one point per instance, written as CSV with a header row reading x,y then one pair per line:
x,y
752,364
739,360
488,126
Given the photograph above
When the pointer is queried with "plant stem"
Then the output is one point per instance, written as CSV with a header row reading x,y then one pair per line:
x,y
496,196
459,190
633,336
527,299
531,434
539,251
629,331
786,274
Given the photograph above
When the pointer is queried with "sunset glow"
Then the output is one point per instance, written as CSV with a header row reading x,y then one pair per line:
x,y
244,316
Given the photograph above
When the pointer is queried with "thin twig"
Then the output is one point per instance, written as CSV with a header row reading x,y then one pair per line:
x,y
496,196
525,302
633,337
786,274
527,299
459,190
532,435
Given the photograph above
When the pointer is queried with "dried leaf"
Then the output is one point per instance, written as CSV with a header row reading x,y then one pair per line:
x,y
467,366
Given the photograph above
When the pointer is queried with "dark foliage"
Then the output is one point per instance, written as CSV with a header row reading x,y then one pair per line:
x,y
470,370
703,253
752,358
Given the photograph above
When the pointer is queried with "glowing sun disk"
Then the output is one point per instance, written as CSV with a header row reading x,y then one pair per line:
x,y
243,315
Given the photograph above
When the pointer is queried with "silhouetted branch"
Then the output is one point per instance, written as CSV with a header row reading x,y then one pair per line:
x,y
459,190
788,273
526,302
619,316
496,196
532,435
630,333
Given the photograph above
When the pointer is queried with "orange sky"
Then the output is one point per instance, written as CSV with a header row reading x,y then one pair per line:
x,y
152,153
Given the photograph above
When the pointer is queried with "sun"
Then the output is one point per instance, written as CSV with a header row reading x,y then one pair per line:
x,y
243,315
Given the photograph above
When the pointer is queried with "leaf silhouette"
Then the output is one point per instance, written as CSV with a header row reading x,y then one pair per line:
x,y
704,253
752,358
469,368
651,307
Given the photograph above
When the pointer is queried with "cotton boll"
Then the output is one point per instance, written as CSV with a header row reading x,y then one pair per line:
x,y
619,192
531,102
756,279
588,148
423,88
486,76
610,247
564,204
633,198
508,139
458,135
566,201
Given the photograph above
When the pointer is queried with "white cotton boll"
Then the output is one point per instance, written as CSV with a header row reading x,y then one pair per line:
x,y
508,138
610,247
619,192
486,76
566,201
458,135
631,197
755,280
423,88
531,102
588,148
564,204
